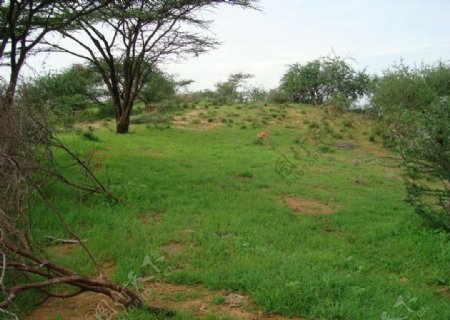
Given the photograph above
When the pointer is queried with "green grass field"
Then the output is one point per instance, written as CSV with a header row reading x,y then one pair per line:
x,y
211,204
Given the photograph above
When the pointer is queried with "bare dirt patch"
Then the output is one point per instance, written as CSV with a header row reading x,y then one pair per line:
x,y
195,299
443,290
199,301
147,218
241,177
151,152
173,249
93,125
310,206
211,125
83,306
62,249
375,149
188,118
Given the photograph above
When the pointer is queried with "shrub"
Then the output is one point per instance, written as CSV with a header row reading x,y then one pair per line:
x,y
413,106
258,141
90,136
325,149
426,152
314,125
325,79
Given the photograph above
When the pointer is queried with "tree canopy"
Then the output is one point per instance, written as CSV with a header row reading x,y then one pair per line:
x,y
125,40
321,80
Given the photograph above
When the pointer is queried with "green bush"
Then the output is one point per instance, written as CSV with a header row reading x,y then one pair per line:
x,y
425,147
325,79
413,106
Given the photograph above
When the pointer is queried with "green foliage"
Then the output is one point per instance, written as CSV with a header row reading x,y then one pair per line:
x,y
403,89
277,96
159,87
325,80
258,95
72,89
232,90
413,104
425,147
341,101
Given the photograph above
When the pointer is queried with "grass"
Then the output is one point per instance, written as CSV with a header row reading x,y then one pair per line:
x,y
373,258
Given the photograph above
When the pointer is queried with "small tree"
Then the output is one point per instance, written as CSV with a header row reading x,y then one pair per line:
x,y
324,80
233,90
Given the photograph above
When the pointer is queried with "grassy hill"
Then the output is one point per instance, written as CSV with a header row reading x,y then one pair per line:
x,y
309,223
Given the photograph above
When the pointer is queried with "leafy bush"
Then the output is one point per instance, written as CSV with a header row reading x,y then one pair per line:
x,y
425,147
277,96
160,87
73,89
323,80
340,101
403,89
415,112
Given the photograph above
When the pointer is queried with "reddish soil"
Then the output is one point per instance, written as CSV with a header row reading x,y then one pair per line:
x,y
187,298
310,206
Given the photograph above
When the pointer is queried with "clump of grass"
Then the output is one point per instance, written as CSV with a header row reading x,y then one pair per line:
x,y
89,135
325,148
246,174
314,125
217,299
258,141
348,123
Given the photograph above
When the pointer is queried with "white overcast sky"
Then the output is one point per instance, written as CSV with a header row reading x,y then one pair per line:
x,y
374,33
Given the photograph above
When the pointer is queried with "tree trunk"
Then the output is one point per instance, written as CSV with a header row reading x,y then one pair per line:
x,y
123,124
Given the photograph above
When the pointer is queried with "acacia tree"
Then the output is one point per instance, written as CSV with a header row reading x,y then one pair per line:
x,y
127,39
24,24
